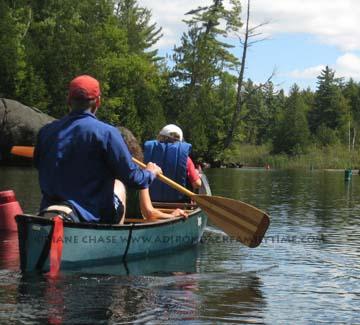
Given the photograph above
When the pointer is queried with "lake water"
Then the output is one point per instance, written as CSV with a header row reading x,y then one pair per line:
x,y
306,271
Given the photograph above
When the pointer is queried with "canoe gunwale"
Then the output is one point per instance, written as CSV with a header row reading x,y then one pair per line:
x,y
30,218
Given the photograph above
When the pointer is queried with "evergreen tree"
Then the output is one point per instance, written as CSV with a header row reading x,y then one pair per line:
x,y
138,82
330,109
351,92
142,35
259,114
275,103
253,112
292,136
199,64
308,97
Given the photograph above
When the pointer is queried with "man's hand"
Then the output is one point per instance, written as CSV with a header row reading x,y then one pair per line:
x,y
180,213
155,169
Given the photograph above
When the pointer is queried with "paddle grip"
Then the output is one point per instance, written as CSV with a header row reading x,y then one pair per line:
x,y
24,151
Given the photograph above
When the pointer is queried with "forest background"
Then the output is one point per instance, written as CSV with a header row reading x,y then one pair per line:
x,y
200,87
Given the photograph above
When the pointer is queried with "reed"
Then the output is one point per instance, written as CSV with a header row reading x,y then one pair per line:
x,y
331,157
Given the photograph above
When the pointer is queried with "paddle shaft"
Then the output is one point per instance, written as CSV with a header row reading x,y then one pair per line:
x,y
29,153
168,181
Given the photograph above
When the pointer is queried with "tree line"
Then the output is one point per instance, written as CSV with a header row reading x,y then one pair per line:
x,y
200,87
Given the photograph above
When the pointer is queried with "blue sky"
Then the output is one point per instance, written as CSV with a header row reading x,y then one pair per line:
x,y
303,36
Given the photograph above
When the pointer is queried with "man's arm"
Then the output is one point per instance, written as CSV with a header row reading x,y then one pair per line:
x,y
149,212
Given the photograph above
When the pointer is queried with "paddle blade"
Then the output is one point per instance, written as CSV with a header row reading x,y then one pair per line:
x,y
239,220
23,151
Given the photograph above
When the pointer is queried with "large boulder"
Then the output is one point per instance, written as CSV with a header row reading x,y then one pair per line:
x,y
19,125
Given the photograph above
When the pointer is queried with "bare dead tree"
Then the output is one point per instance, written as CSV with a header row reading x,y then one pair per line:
x,y
354,138
246,43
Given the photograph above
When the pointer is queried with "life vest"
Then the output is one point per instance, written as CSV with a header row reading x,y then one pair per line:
x,y
172,158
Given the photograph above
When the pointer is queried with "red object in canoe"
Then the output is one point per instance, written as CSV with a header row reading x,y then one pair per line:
x,y
9,208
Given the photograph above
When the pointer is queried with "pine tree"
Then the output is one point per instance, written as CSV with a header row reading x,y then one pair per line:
x,y
199,64
142,35
292,136
351,92
330,108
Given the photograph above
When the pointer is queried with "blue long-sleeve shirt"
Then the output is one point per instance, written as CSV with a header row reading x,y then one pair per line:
x,y
78,158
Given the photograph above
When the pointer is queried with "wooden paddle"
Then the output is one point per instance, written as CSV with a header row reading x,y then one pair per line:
x,y
239,220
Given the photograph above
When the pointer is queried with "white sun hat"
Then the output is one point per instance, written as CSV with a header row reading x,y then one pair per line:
x,y
172,131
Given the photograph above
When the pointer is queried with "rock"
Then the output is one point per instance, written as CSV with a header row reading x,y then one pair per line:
x,y
216,164
231,165
19,125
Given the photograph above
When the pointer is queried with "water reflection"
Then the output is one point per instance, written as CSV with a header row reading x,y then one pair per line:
x,y
320,201
307,270
239,299
183,261
83,297
9,250
172,291
22,180
94,299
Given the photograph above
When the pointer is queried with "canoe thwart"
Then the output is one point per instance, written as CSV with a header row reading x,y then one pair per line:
x,y
175,205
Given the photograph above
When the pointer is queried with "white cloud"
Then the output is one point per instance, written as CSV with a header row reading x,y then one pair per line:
x,y
347,66
169,14
333,22
328,22
308,73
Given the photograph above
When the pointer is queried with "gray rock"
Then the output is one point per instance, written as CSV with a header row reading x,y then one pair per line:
x,y
19,125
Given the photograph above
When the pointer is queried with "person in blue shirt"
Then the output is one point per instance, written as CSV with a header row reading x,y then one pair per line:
x,y
171,152
82,160
139,202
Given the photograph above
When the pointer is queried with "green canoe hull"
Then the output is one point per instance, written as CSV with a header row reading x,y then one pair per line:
x,y
89,244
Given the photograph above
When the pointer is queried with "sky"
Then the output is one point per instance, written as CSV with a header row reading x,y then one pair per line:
x,y
302,37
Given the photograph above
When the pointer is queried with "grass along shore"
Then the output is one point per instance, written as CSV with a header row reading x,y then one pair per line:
x,y
331,157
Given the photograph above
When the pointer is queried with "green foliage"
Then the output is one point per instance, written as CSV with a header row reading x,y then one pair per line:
x,y
329,157
260,111
292,136
48,43
141,33
330,108
12,53
326,136
200,68
247,154
44,44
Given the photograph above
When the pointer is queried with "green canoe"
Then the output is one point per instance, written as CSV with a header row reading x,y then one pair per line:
x,y
97,244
